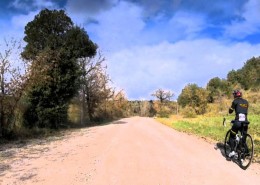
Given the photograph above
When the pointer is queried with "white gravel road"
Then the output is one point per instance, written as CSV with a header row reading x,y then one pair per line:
x,y
131,151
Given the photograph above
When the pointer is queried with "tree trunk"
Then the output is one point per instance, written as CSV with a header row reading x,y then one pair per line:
x,y
2,94
82,115
89,107
1,123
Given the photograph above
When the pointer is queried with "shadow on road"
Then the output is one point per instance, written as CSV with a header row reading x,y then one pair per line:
x,y
220,146
3,168
106,123
119,122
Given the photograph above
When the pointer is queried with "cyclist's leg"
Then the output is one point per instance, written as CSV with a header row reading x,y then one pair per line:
x,y
245,128
232,140
244,138
246,158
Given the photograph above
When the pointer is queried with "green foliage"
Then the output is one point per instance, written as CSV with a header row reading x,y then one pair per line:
x,y
250,73
233,77
211,128
47,30
195,97
248,76
54,46
217,88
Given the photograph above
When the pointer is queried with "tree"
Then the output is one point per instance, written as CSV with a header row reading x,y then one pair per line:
x,y
217,88
118,105
12,85
53,48
250,73
248,76
95,88
213,87
163,95
147,108
233,77
195,97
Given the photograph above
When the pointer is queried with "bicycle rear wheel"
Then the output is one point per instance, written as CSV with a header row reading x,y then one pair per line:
x,y
247,153
227,148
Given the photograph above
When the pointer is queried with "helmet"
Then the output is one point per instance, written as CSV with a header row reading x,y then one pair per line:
x,y
237,93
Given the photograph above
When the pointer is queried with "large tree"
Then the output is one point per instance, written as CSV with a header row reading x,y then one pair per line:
x,y
250,73
248,76
195,97
217,88
163,95
54,46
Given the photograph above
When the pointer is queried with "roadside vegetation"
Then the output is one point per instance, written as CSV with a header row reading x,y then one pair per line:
x,y
211,128
56,81
201,110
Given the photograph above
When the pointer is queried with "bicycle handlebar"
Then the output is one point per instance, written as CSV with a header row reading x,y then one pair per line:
x,y
224,122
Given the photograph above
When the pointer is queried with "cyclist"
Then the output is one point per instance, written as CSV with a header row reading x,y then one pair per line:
x,y
240,106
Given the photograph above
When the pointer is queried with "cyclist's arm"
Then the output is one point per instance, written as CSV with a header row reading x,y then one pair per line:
x,y
232,108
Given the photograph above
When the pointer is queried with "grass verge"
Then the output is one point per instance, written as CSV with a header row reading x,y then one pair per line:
x,y
212,129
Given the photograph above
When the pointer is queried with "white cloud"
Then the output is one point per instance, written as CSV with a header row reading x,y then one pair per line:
x,y
250,24
170,62
142,70
119,27
179,26
27,5
20,21
89,6
124,26
182,23
83,11
14,28
44,4
18,4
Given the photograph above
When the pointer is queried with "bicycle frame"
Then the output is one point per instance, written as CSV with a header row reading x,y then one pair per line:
x,y
244,150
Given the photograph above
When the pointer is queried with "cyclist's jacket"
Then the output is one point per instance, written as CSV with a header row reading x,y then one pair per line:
x,y
240,106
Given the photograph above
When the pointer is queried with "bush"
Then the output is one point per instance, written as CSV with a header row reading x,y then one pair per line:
x,y
163,114
254,109
188,112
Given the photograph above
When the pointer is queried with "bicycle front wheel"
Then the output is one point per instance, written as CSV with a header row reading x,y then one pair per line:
x,y
227,148
247,153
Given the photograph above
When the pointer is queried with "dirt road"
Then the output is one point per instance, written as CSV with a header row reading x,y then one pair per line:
x,y
132,151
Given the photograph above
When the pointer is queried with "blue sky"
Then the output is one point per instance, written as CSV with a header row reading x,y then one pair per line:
x,y
152,44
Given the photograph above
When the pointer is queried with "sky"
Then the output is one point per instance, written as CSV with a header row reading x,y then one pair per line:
x,y
155,44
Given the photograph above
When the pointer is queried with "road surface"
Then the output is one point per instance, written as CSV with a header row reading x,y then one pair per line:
x,y
131,151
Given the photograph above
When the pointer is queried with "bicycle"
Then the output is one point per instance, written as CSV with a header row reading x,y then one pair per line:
x,y
244,146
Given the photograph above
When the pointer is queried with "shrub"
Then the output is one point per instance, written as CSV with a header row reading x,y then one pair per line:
x,y
188,112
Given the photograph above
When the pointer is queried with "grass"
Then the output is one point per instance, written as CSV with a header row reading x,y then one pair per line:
x,y
212,129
